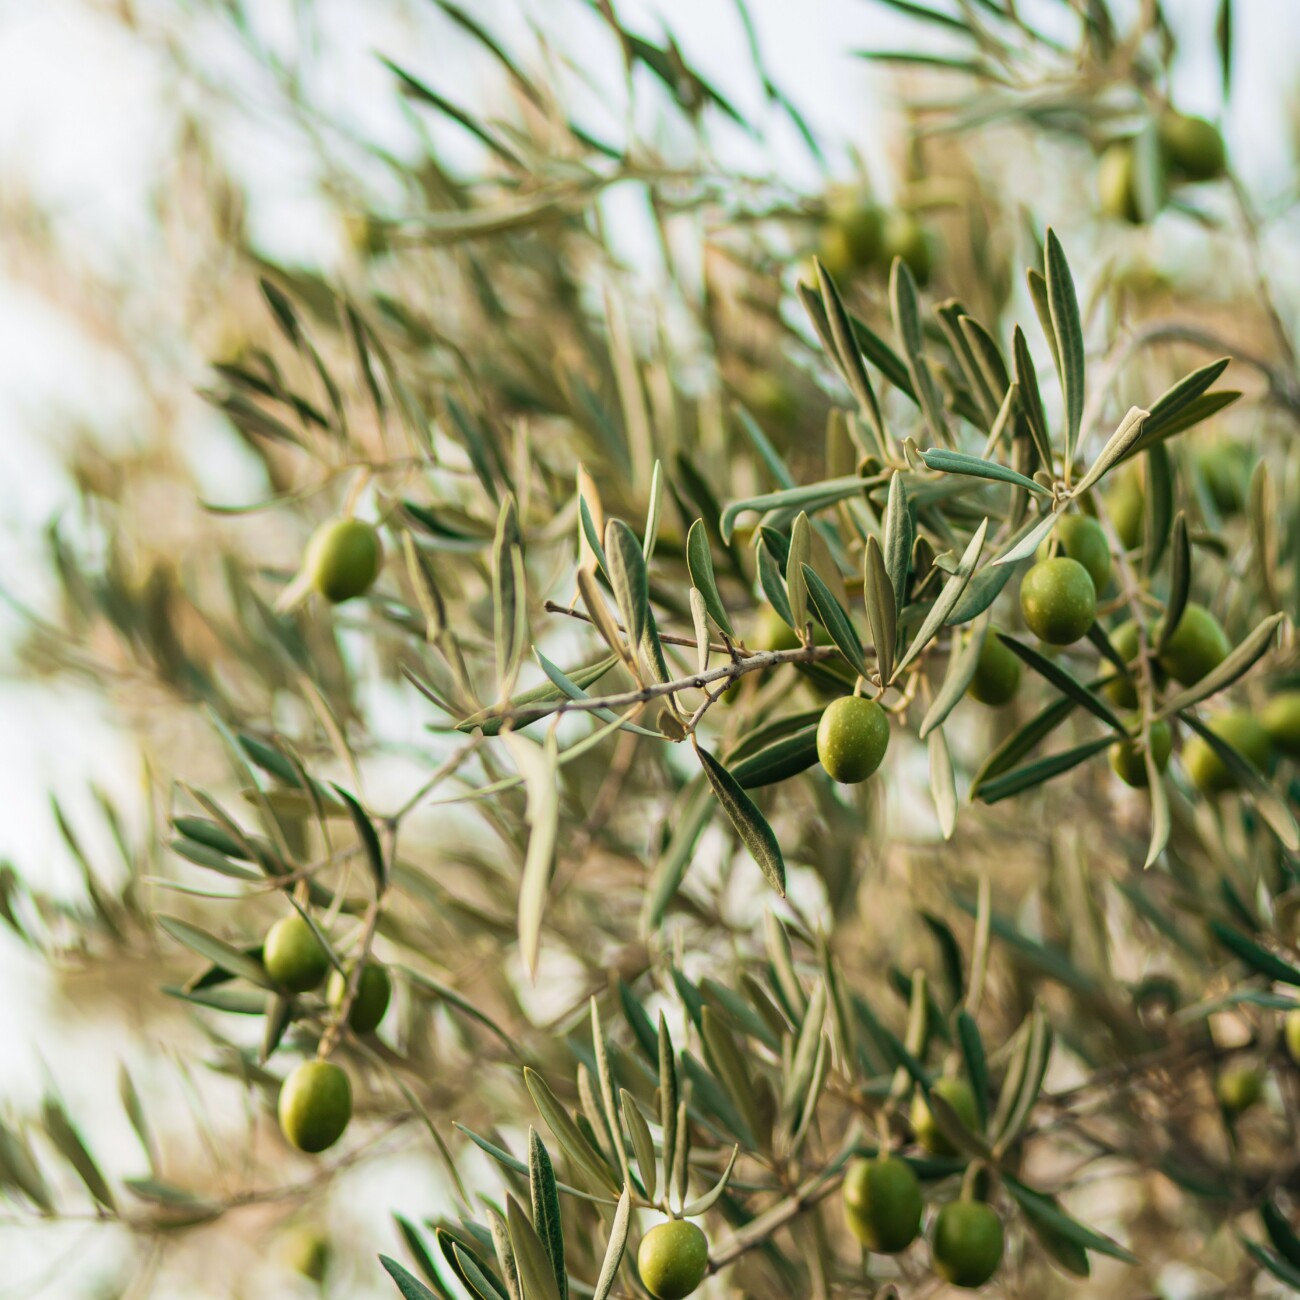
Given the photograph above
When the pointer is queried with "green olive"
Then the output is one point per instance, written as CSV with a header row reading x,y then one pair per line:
x,y
882,1203
343,558
1117,182
1243,732
960,1096
1192,146
772,632
1198,645
293,956
1128,759
373,992
315,1105
1291,1032
1082,538
1238,1088
966,1243
997,672
1281,719
852,737
672,1259
307,1252
905,237
1126,504
1058,600
1225,471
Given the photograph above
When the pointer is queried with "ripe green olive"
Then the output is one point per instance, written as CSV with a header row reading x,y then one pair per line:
x,y
315,1105
882,1203
997,672
852,737
851,236
1126,504
1198,644
1117,183
905,237
1225,471
307,1252
1238,1088
293,956
1244,733
373,992
1192,146
1082,538
1058,600
966,1243
1291,1032
1128,759
1281,719
343,558
959,1095
672,1259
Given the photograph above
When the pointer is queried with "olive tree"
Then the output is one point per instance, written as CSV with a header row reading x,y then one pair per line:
x,y
784,783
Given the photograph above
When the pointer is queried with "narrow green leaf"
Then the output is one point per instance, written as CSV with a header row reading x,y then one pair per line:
x,y
1242,658
832,616
977,1068
795,588
1180,582
627,575
898,538
70,1145
1003,786
505,594
750,825
958,462
220,954
948,597
407,1283
1042,1209
905,307
642,1143
538,766
1159,506
773,584
545,1199
615,1248
699,564
778,761
535,1275
1064,681
1068,330
1031,401
882,612
567,1133
1173,402
957,677
943,786
702,1204
368,837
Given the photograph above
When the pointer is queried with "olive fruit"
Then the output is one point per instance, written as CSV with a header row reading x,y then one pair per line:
x,y
1119,689
1126,504
852,737
1117,183
1291,1033
1192,146
373,992
882,1203
315,1105
1280,717
293,956
997,672
1081,538
1128,759
672,1259
1225,471
306,1252
1244,733
851,238
1058,600
1198,644
905,237
343,558
1239,1088
772,632
959,1095
966,1243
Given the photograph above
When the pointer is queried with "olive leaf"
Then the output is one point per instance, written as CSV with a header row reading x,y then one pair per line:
x,y
799,555
368,837
699,564
70,1145
958,462
537,702
642,1143
627,575
1166,409
943,785
216,951
1180,582
846,351
773,584
810,497
1067,333
1159,506
545,1200
882,613
1120,443
1031,401
668,1098
1042,1210
407,1283
614,1248
1258,959
898,537
976,1062
778,761
702,1204
538,766
749,823
905,307
832,616
567,1133
1064,681
573,691
507,592
947,599
535,1274
1241,659
993,789
957,677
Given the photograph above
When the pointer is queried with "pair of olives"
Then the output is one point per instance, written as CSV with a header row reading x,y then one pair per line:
x,y
883,1208
297,962
1189,149
858,236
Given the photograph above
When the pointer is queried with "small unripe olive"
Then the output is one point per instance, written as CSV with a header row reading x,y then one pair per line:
x,y
1291,1032
997,672
1127,756
1117,182
343,558
1280,717
1126,504
293,956
1238,1088
374,989
882,1203
315,1105
852,737
1225,470
966,1243
1192,146
672,1259
905,237
958,1094
851,237
1082,538
307,1252
1058,600
1244,733
1198,644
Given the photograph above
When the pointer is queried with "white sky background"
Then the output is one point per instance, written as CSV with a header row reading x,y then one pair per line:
x,y
85,120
